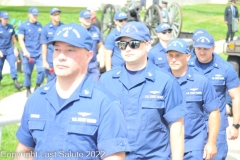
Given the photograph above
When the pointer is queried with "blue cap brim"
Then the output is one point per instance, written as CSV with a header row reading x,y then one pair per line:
x,y
202,46
75,44
174,49
136,37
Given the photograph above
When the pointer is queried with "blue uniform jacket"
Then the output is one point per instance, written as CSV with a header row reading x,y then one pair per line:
x,y
47,35
6,33
150,105
32,35
111,44
223,77
97,38
200,97
158,56
89,121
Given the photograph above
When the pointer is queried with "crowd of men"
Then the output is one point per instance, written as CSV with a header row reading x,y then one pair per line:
x,y
156,102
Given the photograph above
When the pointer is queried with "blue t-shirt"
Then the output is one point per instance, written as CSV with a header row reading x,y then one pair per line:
x,y
134,75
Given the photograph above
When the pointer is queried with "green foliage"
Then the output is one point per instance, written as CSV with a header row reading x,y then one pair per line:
x,y
9,141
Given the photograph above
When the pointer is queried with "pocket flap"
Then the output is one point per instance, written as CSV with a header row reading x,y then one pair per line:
x,y
152,104
82,129
39,125
193,98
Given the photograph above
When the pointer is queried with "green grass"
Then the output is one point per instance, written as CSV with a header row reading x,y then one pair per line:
x,y
8,84
208,16
9,140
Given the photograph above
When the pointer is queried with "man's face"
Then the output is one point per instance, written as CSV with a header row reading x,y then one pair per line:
x,y
86,22
55,16
165,35
120,23
32,18
4,21
204,55
177,61
69,60
137,55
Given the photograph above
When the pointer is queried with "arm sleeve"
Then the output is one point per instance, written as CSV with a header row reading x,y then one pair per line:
x,y
21,29
109,42
112,131
23,134
232,80
174,108
211,101
44,36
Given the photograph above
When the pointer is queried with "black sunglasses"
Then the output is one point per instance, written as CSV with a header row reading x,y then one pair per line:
x,y
122,20
134,44
169,31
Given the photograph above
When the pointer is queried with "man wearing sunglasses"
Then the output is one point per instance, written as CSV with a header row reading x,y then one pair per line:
x,y
85,20
113,56
158,52
151,99
200,96
224,78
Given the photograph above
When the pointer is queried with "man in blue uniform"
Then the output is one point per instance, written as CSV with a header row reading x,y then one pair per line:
x,y
224,78
8,49
29,39
85,20
151,99
113,56
72,116
157,54
199,95
47,34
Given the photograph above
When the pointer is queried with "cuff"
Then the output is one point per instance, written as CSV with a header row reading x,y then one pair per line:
x,y
175,114
25,139
211,106
109,47
113,146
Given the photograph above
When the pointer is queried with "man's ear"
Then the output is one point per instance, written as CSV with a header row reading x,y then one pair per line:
x,y
148,45
188,56
89,56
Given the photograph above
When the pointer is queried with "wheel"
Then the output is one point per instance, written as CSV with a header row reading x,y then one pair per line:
x,y
107,22
175,19
235,61
152,19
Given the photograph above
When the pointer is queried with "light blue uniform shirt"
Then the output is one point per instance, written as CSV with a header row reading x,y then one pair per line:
x,y
150,105
223,77
89,121
158,56
32,36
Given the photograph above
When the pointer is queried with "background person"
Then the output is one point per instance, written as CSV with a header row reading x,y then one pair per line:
x,y
29,39
85,20
112,53
200,97
8,49
158,54
47,34
230,13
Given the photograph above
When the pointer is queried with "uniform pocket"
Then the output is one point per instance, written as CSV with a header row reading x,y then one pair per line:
x,y
36,124
82,129
151,113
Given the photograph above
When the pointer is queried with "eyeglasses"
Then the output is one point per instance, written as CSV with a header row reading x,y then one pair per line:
x,y
133,44
122,20
167,31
